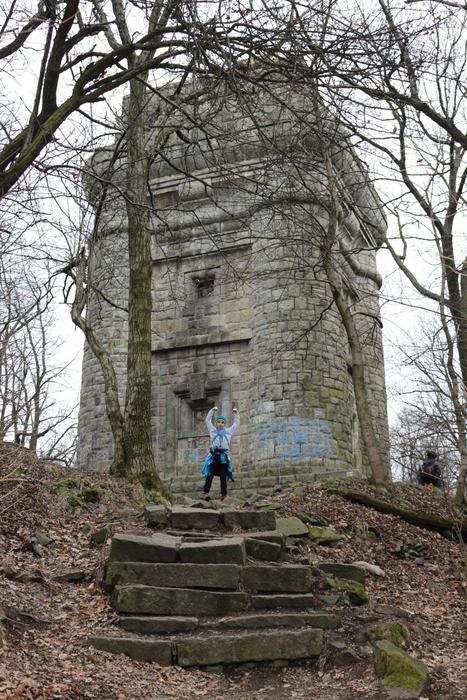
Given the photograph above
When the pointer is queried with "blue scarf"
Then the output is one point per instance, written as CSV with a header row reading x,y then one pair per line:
x,y
221,432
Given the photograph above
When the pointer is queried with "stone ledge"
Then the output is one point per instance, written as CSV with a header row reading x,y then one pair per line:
x,y
160,548
217,649
223,551
274,620
288,578
150,600
215,338
138,649
221,576
158,625
249,646
297,600
195,518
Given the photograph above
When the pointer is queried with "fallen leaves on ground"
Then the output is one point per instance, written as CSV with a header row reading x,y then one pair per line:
x,y
45,655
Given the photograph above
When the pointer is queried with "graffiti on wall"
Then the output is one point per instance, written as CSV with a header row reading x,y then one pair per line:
x,y
193,449
294,438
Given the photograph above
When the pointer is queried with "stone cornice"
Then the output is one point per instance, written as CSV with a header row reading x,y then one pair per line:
x,y
214,338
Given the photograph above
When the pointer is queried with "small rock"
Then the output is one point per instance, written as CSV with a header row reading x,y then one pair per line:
x,y
354,590
101,534
365,650
15,618
312,519
329,597
201,504
25,577
8,571
43,538
324,535
435,586
343,655
395,632
293,550
370,568
33,546
291,527
345,571
392,610
269,506
72,576
156,516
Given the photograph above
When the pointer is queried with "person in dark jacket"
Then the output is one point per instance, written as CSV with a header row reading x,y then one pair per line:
x,y
430,472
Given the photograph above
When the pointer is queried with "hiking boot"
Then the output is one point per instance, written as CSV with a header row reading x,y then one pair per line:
x,y
206,497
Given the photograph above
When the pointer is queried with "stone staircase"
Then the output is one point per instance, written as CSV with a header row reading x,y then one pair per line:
x,y
260,481
213,587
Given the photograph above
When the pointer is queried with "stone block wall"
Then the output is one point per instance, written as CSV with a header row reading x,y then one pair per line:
x,y
242,313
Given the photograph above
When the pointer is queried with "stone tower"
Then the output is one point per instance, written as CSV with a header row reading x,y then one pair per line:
x,y
242,312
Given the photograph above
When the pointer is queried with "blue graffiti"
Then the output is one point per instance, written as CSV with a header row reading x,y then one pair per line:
x,y
296,438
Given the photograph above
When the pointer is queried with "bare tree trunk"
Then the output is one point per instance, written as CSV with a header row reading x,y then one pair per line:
x,y
138,439
112,403
380,471
461,497
462,332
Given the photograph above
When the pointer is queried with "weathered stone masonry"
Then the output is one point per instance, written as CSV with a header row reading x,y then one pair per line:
x,y
242,313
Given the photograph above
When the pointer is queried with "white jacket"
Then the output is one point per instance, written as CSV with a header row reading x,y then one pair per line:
x,y
218,441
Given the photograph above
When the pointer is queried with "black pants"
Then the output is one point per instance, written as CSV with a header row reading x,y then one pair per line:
x,y
426,479
220,470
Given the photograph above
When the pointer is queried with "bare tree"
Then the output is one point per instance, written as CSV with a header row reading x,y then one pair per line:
x,y
413,433
30,414
395,73
436,408
135,153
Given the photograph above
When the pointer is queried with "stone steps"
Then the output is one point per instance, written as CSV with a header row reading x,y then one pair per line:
x,y
208,595
163,625
139,599
259,482
267,645
179,518
289,578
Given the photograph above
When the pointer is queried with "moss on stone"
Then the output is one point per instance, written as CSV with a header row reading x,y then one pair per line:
x,y
291,527
324,535
344,571
355,590
398,671
270,506
394,632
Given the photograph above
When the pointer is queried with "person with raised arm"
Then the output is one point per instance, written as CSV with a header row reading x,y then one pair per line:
x,y
218,462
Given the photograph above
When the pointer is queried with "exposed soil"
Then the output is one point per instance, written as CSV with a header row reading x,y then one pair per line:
x,y
44,652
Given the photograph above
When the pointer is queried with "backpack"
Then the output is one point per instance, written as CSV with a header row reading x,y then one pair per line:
x,y
428,468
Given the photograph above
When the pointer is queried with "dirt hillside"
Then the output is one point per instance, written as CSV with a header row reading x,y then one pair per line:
x,y
50,598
